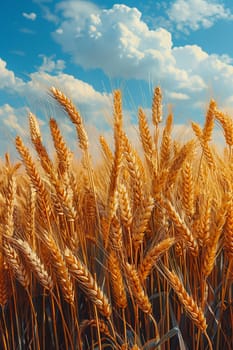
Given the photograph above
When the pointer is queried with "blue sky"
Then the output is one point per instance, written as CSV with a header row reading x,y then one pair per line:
x,y
89,48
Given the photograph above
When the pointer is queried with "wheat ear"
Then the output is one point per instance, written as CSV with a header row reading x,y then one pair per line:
x,y
63,152
177,163
34,175
125,206
34,262
141,222
36,138
15,265
62,273
103,327
166,143
74,115
157,106
4,281
87,283
212,243
138,293
153,254
183,230
146,138
106,149
227,125
188,189
117,282
191,307
228,231
134,170
209,122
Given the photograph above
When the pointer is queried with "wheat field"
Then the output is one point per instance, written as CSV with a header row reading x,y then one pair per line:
x,y
135,253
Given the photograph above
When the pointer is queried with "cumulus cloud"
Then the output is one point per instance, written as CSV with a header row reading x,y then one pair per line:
x,y
10,118
119,42
195,14
31,16
178,96
51,65
8,78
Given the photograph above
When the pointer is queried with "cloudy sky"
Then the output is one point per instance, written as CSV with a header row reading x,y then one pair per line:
x,y
89,48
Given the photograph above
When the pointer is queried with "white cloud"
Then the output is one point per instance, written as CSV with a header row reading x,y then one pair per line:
x,y
59,31
51,65
10,118
177,96
8,78
120,43
31,16
46,12
195,14
27,31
